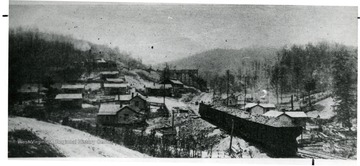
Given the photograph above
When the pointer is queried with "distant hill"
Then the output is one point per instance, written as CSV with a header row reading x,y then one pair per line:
x,y
217,61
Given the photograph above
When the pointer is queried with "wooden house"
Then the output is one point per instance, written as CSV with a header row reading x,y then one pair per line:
x,y
70,100
159,90
115,89
295,117
109,74
71,89
259,108
114,114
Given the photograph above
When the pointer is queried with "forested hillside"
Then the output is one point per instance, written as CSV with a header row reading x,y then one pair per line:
x,y
42,57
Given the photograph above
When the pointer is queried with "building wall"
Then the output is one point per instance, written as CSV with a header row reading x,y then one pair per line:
x,y
139,103
127,116
257,110
115,91
71,103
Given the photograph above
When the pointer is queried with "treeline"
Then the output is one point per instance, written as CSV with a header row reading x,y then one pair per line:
x,y
40,57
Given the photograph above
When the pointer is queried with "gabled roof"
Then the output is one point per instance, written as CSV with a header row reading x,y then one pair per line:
x,y
68,86
251,105
68,96
296,114
107,85
139,96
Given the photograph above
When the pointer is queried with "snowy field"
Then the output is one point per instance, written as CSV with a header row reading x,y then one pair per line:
x,y
72,142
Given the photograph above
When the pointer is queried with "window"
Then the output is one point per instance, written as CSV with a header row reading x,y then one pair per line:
x,y
126,116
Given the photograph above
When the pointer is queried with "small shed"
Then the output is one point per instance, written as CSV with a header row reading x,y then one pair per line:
x,y
70,100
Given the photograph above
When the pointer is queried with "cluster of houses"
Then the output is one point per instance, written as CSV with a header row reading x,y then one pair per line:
x,y
167,87
269,110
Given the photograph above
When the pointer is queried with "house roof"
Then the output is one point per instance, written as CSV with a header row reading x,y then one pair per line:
x,y
68,96
296,114
273,113
108,109
139,96
113,109
119,80
123,97
109,72
68,86
176,82
250,105
159,86
107,85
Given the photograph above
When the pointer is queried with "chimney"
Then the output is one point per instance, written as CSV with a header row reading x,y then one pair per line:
x,y
132,94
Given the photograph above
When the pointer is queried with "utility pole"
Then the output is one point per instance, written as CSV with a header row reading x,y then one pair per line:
x,y
292,103
245,91
231,136
227,91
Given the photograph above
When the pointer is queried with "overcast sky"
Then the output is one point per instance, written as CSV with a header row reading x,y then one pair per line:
x,y
178,30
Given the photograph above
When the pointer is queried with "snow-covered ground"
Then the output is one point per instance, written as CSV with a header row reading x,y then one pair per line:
x,y
72,142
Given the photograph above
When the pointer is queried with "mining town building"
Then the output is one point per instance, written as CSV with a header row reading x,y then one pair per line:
x,y
114,114
159,90
259,108
71,89
70,100
115,88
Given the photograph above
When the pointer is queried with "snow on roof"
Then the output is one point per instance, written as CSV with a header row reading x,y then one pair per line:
x,y
296,114
123,97
68,86
273,113
268,105
68,96
250,105
109,72
176,82
107,85
108,109
159,86
115,80
140,96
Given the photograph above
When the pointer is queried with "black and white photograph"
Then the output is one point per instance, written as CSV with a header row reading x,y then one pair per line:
x,y
182,80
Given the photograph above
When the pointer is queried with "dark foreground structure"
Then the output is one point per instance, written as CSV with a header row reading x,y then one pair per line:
x,y
276,136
